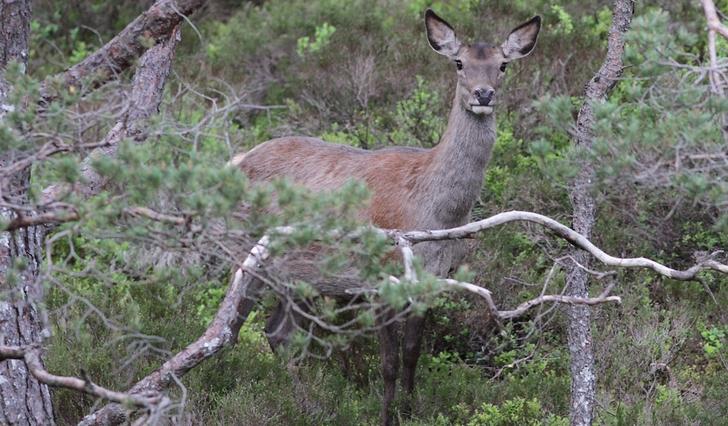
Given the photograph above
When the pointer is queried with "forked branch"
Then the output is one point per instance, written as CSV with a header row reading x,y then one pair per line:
x,y
566,233
146,95
711,14
524,307
31,356
714,27
150,28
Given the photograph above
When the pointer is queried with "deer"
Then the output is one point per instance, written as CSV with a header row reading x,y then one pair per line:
x,y
410,188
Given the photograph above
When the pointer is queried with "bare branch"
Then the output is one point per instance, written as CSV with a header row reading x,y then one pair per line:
x,y
155,216
566,233
146,95
524,307
11,352
152,27
66,214
570,300
31,356
49,149
714,26
47,218
222,332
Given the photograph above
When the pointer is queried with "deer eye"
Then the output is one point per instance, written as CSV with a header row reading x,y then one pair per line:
x,y
503,66
459,64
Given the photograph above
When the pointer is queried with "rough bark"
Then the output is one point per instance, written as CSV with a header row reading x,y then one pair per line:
x,y
150,28
583,379
23,400
15,31
144,100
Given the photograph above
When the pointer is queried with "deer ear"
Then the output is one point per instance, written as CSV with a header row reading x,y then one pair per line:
x,y
441,36
522,39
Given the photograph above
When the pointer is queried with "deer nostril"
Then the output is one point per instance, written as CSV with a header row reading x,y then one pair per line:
x,y
484,96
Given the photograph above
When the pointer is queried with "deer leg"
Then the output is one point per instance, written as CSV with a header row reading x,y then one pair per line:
x,y
345,365
279,327
412,344
389,352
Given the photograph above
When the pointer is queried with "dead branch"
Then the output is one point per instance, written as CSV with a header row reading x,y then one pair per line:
x,y
405,244
146,95
46,218
406,238
66,214
151,28
524,307
567,234
222,332
714,27
31,356
521,309
150,214
49,149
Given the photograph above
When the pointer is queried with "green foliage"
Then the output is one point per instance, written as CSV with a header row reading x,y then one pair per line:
x,y
659,113
600,23
513,161
416,118
80,49
696,235
322,38
713,338
565,23
514,412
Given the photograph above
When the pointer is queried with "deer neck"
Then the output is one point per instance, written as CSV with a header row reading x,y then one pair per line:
x,y
455,175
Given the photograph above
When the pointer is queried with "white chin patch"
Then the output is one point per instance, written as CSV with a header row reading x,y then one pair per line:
x,y
479,109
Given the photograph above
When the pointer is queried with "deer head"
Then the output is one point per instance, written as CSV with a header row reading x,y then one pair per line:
x,y
480,66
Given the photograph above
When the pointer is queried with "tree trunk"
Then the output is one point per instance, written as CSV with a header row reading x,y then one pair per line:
x,y
583,378
23,399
